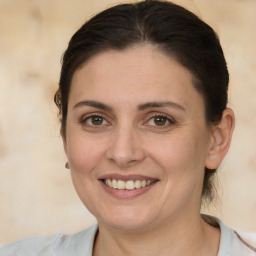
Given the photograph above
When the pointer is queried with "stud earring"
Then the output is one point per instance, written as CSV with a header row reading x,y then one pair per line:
x,y
67,165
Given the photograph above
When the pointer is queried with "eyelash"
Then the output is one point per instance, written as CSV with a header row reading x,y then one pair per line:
x,y
93,115
170,121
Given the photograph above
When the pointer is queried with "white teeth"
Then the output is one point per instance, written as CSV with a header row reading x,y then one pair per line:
x,y
137,184
109,182
114,184
129,185
121,184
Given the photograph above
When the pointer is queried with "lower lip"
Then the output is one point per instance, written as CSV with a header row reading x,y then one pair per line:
x,y
126,193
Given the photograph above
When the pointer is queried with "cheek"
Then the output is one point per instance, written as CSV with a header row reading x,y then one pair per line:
x,y
182,164
178,153
84,153
182,160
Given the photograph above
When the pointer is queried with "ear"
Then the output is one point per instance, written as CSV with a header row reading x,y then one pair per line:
x,y
220,139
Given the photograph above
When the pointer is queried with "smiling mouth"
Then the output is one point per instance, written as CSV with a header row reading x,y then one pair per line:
x,y
127,185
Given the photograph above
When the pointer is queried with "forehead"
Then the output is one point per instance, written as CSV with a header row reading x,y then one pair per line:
x,y
140,72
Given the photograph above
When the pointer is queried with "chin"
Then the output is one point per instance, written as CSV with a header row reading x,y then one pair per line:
x,y
125,225
127,220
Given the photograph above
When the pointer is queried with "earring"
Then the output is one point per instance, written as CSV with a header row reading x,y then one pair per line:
x,y
67,165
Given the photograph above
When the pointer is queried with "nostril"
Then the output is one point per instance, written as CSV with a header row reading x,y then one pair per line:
x,y
125,148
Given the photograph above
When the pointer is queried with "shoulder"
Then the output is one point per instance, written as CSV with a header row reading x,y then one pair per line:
x,y
69,245
82,242
244,244
35,246
233,243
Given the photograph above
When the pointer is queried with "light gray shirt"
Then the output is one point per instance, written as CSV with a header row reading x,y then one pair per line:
x,y
81,244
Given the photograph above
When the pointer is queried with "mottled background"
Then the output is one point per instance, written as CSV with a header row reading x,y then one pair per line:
x,y
36,194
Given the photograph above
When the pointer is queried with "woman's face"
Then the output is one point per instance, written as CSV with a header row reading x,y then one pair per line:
x,y
136,138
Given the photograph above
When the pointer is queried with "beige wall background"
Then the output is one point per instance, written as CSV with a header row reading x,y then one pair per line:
x,y
36,194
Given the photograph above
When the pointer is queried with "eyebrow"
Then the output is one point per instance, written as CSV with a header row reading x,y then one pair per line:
x,y
160,105
92,103
141,107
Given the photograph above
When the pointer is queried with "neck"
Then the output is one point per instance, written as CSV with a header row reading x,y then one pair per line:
x,y
190,237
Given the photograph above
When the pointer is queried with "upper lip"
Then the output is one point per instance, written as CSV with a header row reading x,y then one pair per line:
x,y
126,177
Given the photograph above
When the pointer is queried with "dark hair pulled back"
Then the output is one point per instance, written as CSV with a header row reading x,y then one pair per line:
x,y
174,30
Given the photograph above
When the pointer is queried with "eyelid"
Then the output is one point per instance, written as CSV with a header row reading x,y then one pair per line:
x,y
149,116
93,114
170,119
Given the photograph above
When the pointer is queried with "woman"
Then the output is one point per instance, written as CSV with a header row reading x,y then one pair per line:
x,y
144,123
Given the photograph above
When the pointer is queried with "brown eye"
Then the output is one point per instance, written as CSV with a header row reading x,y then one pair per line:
x,y
160,120
96,120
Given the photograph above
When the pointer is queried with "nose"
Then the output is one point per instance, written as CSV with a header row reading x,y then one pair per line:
x,y
125,149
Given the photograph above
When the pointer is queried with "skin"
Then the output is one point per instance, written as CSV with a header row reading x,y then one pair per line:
x,y
130,141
